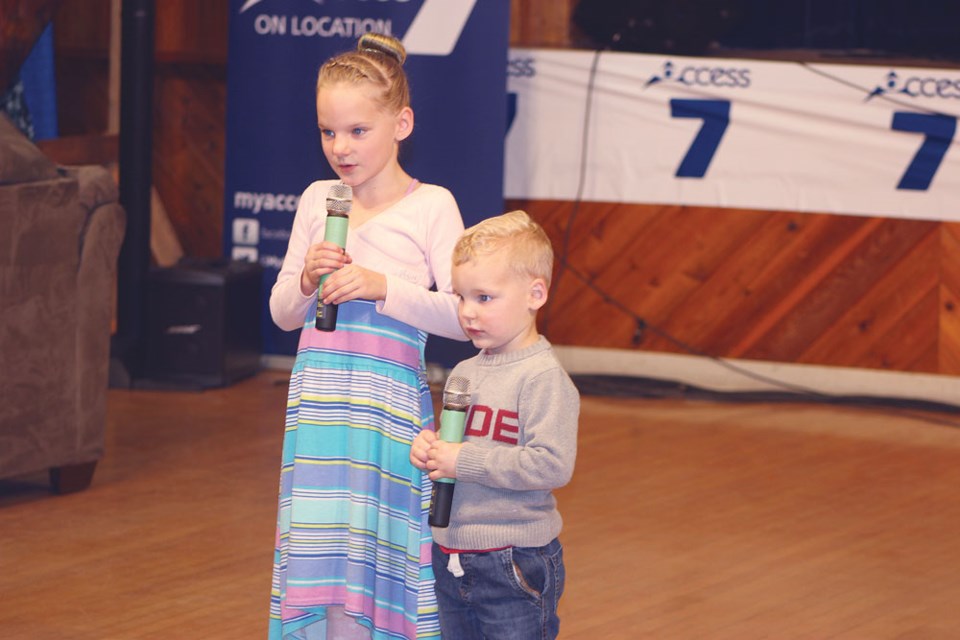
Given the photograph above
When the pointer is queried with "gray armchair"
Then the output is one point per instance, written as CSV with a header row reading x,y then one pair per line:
x,y
60,234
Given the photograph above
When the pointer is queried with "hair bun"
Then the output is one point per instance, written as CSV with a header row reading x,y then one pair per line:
x,y
382,44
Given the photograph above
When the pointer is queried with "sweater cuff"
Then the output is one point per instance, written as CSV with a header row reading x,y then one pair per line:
x,y
472,462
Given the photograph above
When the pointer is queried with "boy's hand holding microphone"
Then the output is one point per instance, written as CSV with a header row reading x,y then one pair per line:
x,y
436,453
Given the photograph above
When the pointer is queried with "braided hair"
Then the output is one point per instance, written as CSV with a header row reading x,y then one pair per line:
x,y
377,60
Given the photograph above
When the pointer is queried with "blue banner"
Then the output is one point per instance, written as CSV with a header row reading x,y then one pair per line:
x,y
456,63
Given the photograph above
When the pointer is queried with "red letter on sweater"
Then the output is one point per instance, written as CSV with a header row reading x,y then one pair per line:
x,y
484,418
507,427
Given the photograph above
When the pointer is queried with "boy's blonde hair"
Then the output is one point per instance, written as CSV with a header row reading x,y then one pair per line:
x,y
529,250
378,61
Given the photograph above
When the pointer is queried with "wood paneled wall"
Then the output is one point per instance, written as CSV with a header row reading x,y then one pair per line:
x,y
189,103
190,95
850,291
767,285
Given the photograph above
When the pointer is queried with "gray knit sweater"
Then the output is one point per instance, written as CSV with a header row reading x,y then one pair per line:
x,y
520,444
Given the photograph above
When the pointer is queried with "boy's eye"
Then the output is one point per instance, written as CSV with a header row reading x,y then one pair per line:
x,y
326,133
483,298
359,131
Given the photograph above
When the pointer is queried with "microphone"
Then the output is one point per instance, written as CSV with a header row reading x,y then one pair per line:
x,y
453,418
339,202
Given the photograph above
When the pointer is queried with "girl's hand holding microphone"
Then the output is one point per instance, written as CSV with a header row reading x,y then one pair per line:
x,y
354,282
321,259
347,280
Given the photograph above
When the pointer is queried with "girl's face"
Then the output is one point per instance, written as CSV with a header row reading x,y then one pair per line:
x,y
359,139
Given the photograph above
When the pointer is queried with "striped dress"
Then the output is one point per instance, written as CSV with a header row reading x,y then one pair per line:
x,y
352,525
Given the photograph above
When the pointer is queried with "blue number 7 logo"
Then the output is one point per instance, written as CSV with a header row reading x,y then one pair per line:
x,y
938,130
716,116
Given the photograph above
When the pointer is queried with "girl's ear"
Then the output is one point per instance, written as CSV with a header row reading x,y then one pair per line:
x,y
404,124
537,296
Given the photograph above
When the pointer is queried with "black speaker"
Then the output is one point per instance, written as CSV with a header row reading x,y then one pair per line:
x,y
203,324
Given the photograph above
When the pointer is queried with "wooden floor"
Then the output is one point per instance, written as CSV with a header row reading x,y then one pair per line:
x,y
684,520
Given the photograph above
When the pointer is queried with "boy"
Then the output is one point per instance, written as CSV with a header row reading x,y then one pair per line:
x,y
499,565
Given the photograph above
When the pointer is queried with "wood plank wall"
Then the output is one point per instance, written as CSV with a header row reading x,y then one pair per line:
x,y
850,291
768,285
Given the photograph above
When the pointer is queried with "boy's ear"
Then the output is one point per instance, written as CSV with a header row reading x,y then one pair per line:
x,y
538,293
404,124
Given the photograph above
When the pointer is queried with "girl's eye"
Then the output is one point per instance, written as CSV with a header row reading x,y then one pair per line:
x,y
359,131
326,133
483,298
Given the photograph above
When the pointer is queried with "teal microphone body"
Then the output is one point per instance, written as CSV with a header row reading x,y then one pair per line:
x,y
339,202
453,421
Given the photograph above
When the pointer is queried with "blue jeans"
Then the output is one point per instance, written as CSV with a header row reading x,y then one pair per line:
x,y
503,595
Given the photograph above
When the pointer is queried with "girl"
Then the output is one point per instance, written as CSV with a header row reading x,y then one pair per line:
x,y
352,556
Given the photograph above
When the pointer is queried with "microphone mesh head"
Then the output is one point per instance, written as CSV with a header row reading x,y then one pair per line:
x,y
456,393
340,198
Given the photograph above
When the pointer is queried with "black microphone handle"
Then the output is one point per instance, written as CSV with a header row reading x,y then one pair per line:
x,y
327,316
441,502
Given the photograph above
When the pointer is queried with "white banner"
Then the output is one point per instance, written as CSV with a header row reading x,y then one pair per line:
x,y
864,140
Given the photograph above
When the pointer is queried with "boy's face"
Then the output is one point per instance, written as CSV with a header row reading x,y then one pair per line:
x,y
498,307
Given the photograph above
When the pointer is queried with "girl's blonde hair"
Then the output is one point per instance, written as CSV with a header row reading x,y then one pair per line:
x,y
529,250
378,60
